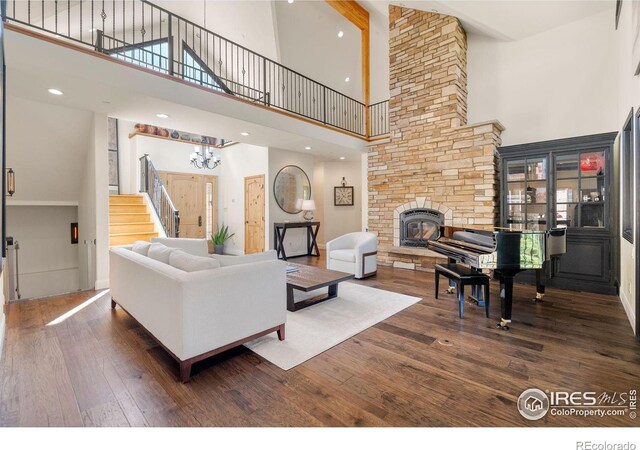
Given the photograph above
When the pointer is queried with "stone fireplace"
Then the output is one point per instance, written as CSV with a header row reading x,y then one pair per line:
x,y
435,168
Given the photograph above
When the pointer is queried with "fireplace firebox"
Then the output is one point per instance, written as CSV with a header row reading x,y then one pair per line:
x,y
419,225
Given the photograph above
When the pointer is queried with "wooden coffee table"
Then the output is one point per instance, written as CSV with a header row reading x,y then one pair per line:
x,y
309,278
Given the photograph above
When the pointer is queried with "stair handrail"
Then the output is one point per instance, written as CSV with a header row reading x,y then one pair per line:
x,y
151,184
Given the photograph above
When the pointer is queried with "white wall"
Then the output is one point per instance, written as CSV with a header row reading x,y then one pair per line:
x,y
337,220
295,241
240,161
93,209
126,167
87,216
628,96
379,56
552,85
309,44
48,261
46,144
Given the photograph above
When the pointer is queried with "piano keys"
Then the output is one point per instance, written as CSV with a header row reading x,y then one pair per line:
x,y
506,252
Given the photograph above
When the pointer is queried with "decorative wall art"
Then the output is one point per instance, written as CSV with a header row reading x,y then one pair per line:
x,y
343,195
152,130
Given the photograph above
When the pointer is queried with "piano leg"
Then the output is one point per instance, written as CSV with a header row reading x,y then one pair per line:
x,y
506,299
540,284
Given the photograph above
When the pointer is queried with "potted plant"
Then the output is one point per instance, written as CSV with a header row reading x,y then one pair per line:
x,y
218,239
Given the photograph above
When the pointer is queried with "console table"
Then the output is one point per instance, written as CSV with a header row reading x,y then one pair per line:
x,y
280,229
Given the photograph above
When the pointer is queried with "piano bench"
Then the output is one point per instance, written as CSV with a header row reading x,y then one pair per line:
x,y
464,276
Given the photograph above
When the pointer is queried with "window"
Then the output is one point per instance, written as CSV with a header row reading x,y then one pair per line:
x,y
151,55
194,70
626,152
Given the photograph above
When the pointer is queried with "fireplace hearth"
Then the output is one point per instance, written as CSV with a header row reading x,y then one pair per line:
x,y
419,225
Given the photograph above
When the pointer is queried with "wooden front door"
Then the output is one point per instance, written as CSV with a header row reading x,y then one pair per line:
x,y
195,197
254,214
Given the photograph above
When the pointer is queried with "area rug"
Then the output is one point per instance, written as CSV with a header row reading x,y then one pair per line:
x,y
316,329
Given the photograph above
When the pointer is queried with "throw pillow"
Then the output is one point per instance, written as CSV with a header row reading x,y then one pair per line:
x,y
141,247
191,263
160,252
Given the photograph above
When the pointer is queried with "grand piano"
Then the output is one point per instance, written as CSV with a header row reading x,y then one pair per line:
x,y
506,252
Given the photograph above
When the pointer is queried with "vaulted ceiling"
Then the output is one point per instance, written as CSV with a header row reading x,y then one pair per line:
x,y
505,20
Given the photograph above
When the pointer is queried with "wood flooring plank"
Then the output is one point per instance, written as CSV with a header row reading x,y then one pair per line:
x,y
421,367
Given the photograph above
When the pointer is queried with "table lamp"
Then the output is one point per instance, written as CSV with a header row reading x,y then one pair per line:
x,y
308,206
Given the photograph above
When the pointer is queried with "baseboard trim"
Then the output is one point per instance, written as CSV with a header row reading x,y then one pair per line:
x,y
2,331
101,284
628,308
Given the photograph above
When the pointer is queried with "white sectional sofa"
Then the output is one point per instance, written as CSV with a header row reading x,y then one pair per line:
x,y
200,313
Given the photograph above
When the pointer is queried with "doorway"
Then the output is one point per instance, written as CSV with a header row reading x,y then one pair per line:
x,y
254,214
196,198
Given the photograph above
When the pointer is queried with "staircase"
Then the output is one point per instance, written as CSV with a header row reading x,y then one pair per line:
x,y
129,220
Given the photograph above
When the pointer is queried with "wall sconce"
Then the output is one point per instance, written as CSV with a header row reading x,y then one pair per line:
x,y
74,233
11,182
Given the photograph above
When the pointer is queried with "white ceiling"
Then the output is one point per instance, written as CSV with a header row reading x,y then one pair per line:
x,y
505,20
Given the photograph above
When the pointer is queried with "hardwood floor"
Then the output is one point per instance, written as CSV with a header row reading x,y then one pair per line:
x,y
421,367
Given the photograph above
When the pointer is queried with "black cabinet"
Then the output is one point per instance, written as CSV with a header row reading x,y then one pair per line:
x,y
566,183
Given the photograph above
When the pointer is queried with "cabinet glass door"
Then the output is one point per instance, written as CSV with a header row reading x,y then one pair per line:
x,y
580,190
527,194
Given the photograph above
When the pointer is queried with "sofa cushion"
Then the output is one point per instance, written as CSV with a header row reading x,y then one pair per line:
x,y
191,263
198,247
229,260
141,247
160,252
343,255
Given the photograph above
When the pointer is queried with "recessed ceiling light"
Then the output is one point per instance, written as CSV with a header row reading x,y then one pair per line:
x,y
342,157
340,33
244,133
55,92
346,80
162,116
307,148
290,1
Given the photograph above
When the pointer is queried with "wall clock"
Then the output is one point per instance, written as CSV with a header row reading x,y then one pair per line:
x,y
343,195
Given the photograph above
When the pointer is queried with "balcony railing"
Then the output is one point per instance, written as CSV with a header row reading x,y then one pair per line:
x,y
379,119
147,35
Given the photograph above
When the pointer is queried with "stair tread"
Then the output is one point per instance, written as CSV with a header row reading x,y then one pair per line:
x,y
133,234
132,223
128,204
126,213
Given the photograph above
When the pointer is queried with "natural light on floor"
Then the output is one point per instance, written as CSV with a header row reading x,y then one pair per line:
x,y
80,307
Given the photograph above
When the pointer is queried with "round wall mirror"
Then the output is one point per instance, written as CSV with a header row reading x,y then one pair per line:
x,y
290,187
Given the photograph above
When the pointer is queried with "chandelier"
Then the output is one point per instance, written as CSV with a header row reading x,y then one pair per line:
x,y
204,158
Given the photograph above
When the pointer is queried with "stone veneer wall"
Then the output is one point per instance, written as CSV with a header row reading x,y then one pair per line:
x,y
432,155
